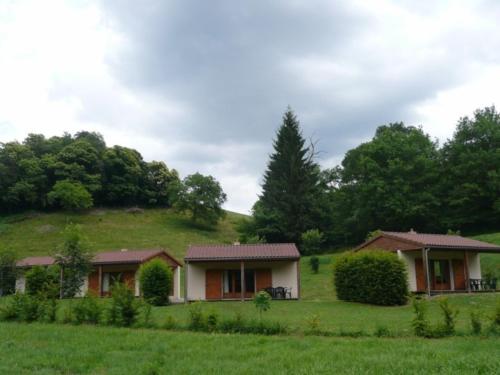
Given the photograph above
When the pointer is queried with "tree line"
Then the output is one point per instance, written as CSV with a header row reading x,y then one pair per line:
x,y
400,179
80,171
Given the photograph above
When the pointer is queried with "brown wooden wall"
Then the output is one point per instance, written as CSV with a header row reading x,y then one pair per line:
x,y
263,279
385,243
213,284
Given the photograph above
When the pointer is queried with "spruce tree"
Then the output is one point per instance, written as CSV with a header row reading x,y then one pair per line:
x,y
288,204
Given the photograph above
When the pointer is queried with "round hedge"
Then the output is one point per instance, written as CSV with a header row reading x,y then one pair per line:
x,y
375,277
156,282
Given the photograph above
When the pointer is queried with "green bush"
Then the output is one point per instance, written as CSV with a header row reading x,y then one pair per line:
x,y
23,308
311,242
156,282
212,321
43,281
420,323
87,310
314,264
124,309
262,301
196,318
169,323
449,318
475,322
375,277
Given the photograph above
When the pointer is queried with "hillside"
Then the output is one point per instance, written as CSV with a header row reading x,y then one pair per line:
x,y
110,229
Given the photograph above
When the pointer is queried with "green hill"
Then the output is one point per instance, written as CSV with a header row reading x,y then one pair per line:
x,y
112,229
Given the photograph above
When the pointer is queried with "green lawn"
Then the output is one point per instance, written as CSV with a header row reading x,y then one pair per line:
x,y
54,349
112,229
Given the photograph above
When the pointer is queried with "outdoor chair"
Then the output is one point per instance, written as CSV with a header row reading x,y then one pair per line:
x,y
270,290
279,292
288,293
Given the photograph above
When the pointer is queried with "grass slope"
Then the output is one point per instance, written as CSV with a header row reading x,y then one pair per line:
x,y
112,229
54,349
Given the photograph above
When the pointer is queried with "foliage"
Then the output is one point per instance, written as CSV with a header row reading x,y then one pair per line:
x,y
420,323
43,281
471,179
156,282
124,309
169,323
87,310
201,196
146,311
212,321
74,258
8,272
75,172
375,277
22,307
311,242
449,317
313,323
196,317
475,322
291,192
314,264
70,195
262,301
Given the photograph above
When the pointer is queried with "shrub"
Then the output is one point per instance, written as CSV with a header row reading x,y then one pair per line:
x,y
262,301
196,318
420,324
147,321
449,318
43,281
70,195
212,320
314,263
375,277
87,310
22,307
233,325
382,331
475,322
170,322
48,311
124,308
311,241
156,282
313,322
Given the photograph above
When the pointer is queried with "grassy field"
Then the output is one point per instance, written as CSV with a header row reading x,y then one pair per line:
x,y
54,349
112,229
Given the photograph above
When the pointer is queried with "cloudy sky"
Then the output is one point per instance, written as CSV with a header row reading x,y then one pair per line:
x,y
202,85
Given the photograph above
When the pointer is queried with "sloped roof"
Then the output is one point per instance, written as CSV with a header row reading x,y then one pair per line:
x,y
441,241
242,252
108,257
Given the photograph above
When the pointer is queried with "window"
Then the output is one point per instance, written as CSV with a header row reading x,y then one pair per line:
x,y
232,281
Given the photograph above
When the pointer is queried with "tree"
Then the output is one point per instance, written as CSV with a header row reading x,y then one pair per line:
x,y
289,204
70,195
74,259
312,241
160,184
8,272
390,182
203,197
470,177
156,282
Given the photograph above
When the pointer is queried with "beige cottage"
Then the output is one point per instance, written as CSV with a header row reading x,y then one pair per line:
x,y
237,272
437,263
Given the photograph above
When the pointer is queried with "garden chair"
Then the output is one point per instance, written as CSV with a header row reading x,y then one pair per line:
x,y
280,292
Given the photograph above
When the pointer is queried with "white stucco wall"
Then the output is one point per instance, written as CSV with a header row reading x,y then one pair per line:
x,y
20,283
409,257
284,273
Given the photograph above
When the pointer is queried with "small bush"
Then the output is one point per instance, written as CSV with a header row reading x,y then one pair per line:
x,y
420,323
146,319
475,322
169,323
375,277
156,282
87,310
49,310
449,318
233,325
13,309
314,264
23,308
212,321
124,308
313,323
311,242
382,331
262,301
43,281
196,318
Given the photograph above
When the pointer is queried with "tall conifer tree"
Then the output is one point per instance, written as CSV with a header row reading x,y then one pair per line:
x,y
288,204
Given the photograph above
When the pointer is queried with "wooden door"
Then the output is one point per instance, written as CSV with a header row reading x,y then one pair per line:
x,y
459,274
213,284
263,279
440,274
94,283
419,272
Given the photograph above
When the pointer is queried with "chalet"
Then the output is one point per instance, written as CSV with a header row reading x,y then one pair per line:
x,y
110,267
237,272
437,263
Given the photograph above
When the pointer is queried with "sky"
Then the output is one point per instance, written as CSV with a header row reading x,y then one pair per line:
x,y
202,85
